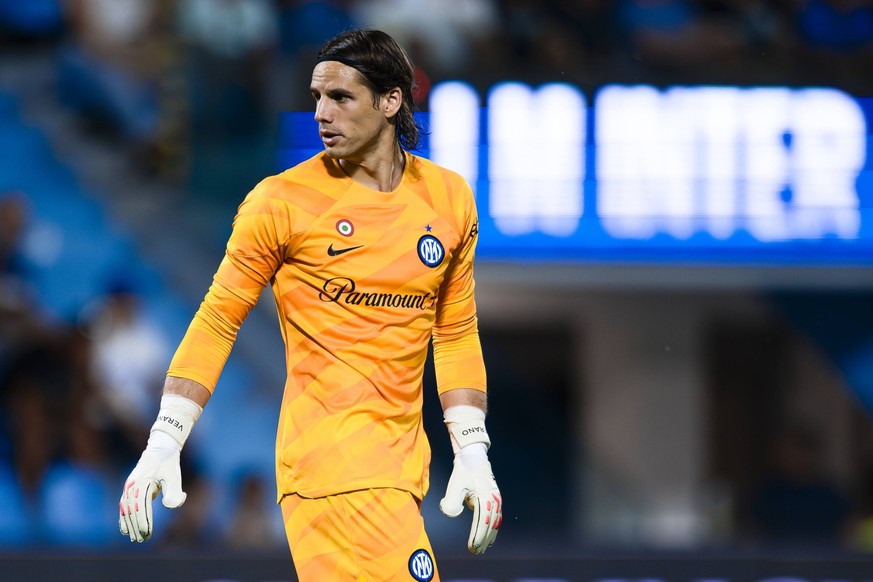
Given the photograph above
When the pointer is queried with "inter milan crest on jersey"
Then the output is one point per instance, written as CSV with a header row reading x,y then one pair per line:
x,y
421,566
430,250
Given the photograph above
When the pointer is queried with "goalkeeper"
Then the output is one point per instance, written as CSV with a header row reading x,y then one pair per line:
x,y
369,252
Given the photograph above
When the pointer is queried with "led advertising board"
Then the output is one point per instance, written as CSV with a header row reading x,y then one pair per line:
x,y
697,174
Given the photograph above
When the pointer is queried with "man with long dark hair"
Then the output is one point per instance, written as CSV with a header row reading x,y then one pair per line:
x,y
369,251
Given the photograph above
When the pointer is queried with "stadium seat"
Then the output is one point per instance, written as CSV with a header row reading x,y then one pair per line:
x,y
77,506
15,519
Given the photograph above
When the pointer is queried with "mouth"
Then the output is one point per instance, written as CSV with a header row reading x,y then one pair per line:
x,y
329,138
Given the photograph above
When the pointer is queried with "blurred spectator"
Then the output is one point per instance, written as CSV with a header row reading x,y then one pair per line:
x,y
442,39
77,501
229,49
16,289
196,527
119,72
22,328
128,358
108,71
304,25
16,519
836,39
33,401
13,217
596,21
556,41
254,517
530,42
43,392
680,41
837,26
229,43
863,535
593,24
23,22
797,503
765,29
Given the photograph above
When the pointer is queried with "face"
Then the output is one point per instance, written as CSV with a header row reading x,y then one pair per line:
x,y
350,125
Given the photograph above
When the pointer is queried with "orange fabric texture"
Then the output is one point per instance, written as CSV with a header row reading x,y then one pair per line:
x,y
363,536
363,280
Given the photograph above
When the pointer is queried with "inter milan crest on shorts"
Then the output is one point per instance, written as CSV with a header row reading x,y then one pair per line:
x,y
430,250
421,565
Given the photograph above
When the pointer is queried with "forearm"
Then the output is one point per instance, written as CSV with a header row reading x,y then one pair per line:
x,y
464,396
188,388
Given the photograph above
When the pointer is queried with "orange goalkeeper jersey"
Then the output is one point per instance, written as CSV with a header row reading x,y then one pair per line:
x,y
363,280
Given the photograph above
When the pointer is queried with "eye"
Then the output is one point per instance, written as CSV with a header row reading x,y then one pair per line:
x,y
339,96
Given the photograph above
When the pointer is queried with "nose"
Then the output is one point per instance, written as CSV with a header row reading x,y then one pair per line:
x,y
322,111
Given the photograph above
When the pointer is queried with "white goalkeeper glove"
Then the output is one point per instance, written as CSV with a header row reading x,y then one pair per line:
x,y
472,482
158,468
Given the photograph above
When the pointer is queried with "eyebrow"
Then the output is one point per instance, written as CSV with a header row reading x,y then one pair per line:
x,y
333,93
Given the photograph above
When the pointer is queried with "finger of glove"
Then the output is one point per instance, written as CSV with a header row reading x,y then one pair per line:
x,y
490,503
125,510
489,539
497,518
131,530
450,506
478,529
170,476
141,518
453,503
491,533
122,522
124,526
486,520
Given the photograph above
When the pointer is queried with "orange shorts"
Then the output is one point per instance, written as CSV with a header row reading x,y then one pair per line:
x,y
376,535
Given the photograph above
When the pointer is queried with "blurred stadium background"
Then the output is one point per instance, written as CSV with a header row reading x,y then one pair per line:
x,y
676,260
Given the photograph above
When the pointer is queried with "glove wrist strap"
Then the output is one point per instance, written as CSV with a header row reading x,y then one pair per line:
x,y
466,426
176,417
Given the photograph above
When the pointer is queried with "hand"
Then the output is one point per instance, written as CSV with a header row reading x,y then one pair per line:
x,y
158,470
477,488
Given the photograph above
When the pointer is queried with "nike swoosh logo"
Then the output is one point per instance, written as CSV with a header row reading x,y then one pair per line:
x,y
334,252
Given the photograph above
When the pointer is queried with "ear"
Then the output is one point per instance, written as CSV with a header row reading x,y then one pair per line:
x,y
391,102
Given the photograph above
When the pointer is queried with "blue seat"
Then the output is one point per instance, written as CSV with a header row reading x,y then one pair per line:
x,y
77,508
16,522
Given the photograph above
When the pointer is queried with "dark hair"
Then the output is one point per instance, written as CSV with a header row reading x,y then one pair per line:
x,y
383,65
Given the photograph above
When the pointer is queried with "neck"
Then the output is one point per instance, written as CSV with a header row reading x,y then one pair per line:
x,y
382,174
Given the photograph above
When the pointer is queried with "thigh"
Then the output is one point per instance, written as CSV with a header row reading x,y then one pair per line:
x,y
364,536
